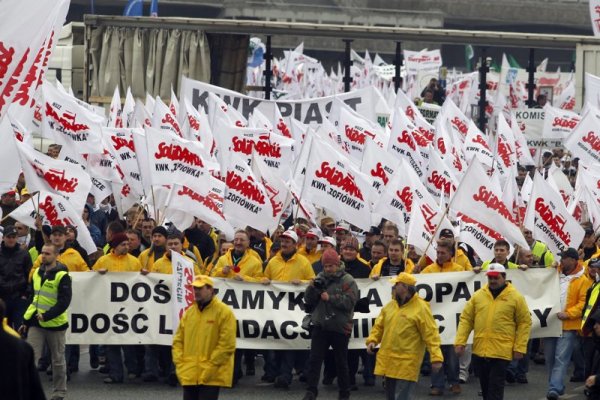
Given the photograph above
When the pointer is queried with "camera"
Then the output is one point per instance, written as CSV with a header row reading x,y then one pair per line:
x,y
320,283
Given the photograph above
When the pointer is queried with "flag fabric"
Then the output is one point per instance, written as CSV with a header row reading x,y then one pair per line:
x,y
54,210
246,199
584,141
333,182
479,199
65,121
549,220
28,34
182,292
45,173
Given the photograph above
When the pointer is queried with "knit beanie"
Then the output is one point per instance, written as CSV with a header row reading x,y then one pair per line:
x,y
330,256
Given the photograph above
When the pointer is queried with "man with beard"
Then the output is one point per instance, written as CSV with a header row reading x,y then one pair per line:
x,y
500,318
149,256
404,328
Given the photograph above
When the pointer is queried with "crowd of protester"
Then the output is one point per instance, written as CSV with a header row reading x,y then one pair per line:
x,y
327,258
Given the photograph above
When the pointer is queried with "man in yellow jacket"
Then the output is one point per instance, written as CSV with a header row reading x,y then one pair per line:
x,y
286,266
404,328
119,260
500,318
558,350
240,263
164,265
204,344
450,374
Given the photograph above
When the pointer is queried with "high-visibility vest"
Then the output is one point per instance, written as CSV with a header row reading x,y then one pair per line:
x,y
45,296
591,301
540,250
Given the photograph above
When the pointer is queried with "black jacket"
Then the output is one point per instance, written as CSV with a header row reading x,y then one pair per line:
x,y
19,379
357,268
15,265
63,300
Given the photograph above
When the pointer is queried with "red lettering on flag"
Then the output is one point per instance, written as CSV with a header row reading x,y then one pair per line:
x,y
338,179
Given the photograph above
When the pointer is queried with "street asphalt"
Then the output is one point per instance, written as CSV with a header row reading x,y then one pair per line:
x,y
88,384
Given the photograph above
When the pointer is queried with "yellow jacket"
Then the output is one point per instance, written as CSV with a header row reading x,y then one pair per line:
x,y
409,266
501,325
146,259
296,267
164,265
8,329
204,345
70,258
461,259
114,263
448,266
404,332
575,301
250,266
312,256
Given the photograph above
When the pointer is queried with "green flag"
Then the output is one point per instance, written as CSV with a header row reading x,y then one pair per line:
x,y
513,63
469,54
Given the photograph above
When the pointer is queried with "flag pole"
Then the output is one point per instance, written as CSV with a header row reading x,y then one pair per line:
x,y
437,228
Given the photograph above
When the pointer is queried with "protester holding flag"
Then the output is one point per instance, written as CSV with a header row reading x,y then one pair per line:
x,y
46,319
558,350
394,263
206,332
342,232
500,318
119,260
241,262
404,328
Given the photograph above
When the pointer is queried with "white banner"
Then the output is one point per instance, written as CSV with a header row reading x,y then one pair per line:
x,y
130,308
311,111
422,60
183,295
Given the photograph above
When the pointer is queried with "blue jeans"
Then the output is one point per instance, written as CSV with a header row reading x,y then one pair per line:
x,y
449,371
519,368
558,353
399,389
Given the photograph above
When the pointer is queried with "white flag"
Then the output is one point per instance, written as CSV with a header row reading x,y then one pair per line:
x,y
55,210
246,200
584,141
28,34
334,183
478,198
558,124
45,173
66,121
547,217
